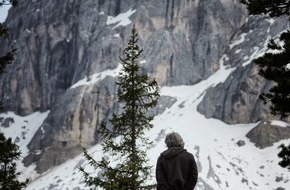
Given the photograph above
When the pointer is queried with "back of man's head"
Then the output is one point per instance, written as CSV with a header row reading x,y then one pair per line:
x,y
174,140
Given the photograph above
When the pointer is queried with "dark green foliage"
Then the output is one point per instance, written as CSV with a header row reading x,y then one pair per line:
x,y
284,154
136,94
9,151
275,66
8,2
272,7
7,57
8,175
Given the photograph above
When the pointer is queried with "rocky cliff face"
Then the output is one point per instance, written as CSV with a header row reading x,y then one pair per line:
x,y
60,44
237,99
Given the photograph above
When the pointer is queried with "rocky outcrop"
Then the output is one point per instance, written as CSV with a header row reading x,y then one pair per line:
x,y
265,134
72,124
237,99
60,44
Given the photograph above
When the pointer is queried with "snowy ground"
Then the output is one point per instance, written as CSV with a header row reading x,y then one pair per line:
x,y
222,163
4,12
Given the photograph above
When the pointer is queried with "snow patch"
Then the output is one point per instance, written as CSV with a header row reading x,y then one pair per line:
x,y
238,41
271,20
92,79
143,61
280,123
22,128
288,66
4,12
238,51
117,35
121,19
256,52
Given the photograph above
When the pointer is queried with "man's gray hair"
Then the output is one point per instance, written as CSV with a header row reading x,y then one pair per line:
x,y
174,140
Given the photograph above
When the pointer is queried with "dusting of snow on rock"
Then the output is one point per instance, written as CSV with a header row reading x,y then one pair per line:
x,y
121,19
92,79
288,66
238,41
280,123
271,20
143,61
238,51
117,35
256,52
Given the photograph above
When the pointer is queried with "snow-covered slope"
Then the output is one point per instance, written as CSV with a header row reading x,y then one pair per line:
x,y
21,130
221,162
4,12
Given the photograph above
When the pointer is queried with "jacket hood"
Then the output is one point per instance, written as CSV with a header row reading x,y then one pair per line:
x,y
172,152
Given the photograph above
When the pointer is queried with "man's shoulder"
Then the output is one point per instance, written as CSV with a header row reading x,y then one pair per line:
x,y
188,154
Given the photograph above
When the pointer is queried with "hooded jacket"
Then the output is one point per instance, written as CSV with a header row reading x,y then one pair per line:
x,y
176,170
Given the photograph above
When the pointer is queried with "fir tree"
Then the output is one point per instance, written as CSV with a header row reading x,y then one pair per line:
x,y
284,154
8,2
275,65
9,151
7,57
8,174
4,33
125,143
272,7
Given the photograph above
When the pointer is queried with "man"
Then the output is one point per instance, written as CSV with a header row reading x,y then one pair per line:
x,y
176,168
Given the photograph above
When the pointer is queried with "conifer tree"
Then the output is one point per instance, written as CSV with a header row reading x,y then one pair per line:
x,y
7,58
275,65
9,151
272,7
124,142
8,2
8,175
284,154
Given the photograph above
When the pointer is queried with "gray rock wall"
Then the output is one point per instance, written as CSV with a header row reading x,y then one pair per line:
x,y
60,43
237,99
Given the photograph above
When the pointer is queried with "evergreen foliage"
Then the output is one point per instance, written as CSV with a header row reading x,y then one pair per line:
x,y
8,2
284,154
4,33
124,141
8,174
7,57
275,65
9,151
272,7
